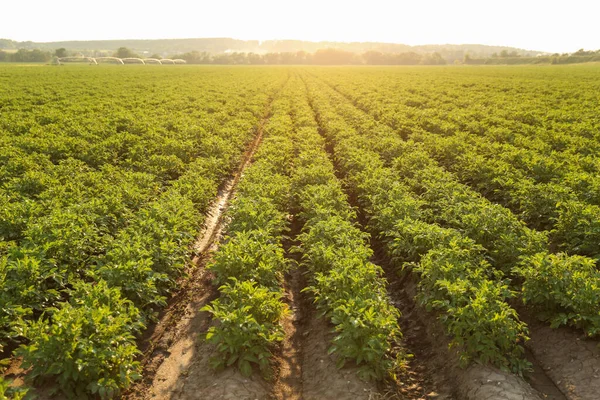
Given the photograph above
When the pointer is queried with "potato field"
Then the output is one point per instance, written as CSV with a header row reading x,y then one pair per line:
x,y
205,232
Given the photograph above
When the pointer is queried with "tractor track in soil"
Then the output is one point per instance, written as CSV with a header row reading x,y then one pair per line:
x,y
569,359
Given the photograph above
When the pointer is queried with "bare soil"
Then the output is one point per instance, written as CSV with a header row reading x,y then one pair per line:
x,y
567,356
321,378
436,367
288,383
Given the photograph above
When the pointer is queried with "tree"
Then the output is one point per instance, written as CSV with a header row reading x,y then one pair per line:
x,y
7,44
24,55
434,59
62,52
373,57
272,58
124,52
582,52
407,58
254,58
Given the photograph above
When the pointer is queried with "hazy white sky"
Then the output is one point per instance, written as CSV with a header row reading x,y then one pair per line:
x,y
550,25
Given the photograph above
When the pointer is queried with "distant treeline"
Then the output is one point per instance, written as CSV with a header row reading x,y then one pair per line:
x,y
168,47
580,56
321,57
23,55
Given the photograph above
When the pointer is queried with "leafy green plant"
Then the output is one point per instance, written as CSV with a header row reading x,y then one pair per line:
x,y
250,256
577,229
254,185
365,328
28,284
86,345
325,242
349,277
410,239
8,392
248,325
255,213
565,288
457,281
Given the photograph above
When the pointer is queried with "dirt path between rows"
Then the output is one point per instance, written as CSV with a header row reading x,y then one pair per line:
x,y
176,361
305,369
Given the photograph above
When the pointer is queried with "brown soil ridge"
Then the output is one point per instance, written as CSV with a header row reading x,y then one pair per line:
x,y
567,356
288,382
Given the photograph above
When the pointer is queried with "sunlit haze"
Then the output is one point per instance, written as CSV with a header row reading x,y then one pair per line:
x,y
552,26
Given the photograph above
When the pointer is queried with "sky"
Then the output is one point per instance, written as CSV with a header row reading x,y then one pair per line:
x,y
544,25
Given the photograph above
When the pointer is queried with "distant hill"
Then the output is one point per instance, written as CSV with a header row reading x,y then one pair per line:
x,y
166,47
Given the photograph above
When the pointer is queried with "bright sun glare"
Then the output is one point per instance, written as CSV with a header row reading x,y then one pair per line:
x,y
536,25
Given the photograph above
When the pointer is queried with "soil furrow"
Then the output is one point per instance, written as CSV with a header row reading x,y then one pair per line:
x,y
288,383
569,358
172,348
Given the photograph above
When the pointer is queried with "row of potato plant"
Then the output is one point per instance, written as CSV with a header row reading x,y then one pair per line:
x,y
454,277
549,113
347,288
250,264
511,247
83,279
551,281
546,172
572,218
